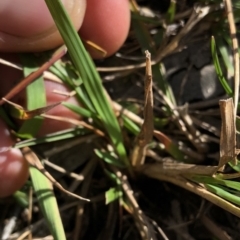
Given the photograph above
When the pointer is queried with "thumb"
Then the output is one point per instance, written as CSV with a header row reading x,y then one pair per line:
x,y
28,26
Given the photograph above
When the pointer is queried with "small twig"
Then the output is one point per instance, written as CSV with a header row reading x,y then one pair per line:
x,y
197,15
176,168
181,124
62,170
31,77
8,228
33,160
75,122
141,220
70,143
46,74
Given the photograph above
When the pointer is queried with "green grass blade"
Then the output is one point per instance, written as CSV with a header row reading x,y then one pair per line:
x,y
235,167
35,94
113,194
218,69
43,189
59,70
130,125
216,181
225,55
21,198
48,204
222,193
226,189
58,136
171,12
80,110
108,158
89,75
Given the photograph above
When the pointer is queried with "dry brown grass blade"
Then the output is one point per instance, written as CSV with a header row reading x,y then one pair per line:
x,y
96,48
46,74
24,114
33,160
146,133
198,13
30,78
192,187
228,133
76,122
175,168
145,228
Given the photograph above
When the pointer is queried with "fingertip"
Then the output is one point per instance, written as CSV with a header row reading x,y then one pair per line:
x,y
106,23
13,167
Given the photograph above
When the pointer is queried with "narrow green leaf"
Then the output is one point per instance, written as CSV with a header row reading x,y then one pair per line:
x,y
235,167
130,125
58,136
171,12
21,198
35,94
226,195
225,55
108,158
59,70
48,204
89,75
113,177
42,187
113,194
218,69
216,181
80,110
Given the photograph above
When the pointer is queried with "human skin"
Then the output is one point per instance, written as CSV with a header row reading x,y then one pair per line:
x,y
23,29
27,26
110,21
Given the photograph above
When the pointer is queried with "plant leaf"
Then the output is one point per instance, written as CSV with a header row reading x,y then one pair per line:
x,y
113,194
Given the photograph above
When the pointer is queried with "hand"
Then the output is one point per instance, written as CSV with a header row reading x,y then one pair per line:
x,y
27,26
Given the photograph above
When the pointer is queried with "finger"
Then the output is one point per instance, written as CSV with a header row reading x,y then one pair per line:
x,y
106,23
13,167
28,26
12,77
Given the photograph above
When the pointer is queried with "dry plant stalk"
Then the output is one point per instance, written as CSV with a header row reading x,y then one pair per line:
x,y
75,122
24,114
233,35
193,187
33,160
145,228
146,133
175,168
34,75
228,133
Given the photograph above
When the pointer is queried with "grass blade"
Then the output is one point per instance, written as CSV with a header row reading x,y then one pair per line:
x,y
48,203
90,77
218,69
41,184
